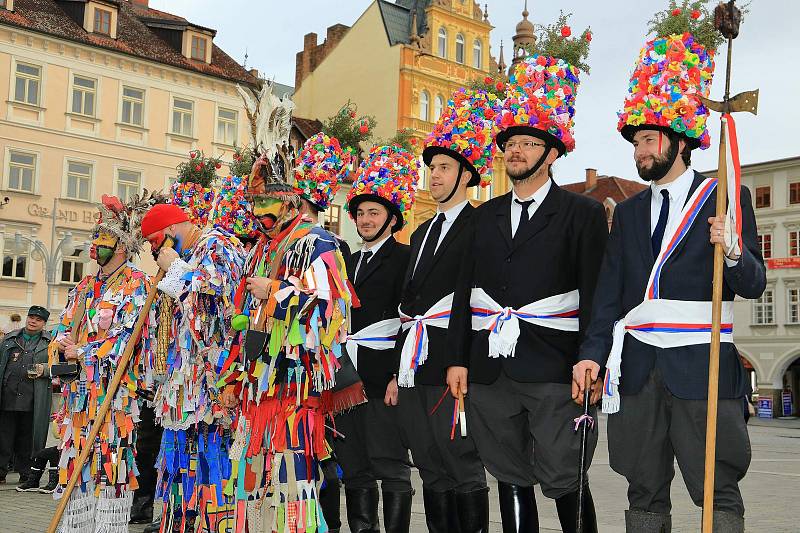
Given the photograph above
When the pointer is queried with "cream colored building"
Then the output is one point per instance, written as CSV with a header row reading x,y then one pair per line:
x,y
99,97
767,330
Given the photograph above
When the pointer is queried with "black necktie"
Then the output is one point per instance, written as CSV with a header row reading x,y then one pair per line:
x,y
362,265
661,225
426,257
524,218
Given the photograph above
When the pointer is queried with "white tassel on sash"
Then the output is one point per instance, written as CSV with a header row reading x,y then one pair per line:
x,y
79,514
113,514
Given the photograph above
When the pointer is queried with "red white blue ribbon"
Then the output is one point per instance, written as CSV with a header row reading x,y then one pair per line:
x,y
378,336
415,348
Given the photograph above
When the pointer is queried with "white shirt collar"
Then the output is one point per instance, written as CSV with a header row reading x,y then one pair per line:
x,y
678,188
451,214
537,197
375,247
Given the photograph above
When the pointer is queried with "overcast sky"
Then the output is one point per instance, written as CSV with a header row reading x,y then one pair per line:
x,y
766,56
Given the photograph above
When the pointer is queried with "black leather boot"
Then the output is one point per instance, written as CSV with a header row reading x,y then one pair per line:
x,y
637,521
52,482
567,507
473,511
362,510
330,501
141,510
440,511
396,511
518,508
31,484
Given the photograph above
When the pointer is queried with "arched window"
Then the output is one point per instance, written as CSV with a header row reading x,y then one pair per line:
x,y
442,48
477,53
424,103
438,107
460,48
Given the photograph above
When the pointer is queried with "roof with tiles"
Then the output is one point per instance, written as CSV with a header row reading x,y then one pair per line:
x,y
134,37
618,189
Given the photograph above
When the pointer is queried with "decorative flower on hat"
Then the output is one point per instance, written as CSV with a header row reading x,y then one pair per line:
x,y
323,166
467,128
670,74
541,96
231,210
390,174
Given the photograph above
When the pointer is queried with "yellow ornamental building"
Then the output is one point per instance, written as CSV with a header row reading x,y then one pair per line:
x,y
101,97
400,62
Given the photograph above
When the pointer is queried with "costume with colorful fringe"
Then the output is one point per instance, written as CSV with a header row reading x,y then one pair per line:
x,y
102,500
193,464
286,383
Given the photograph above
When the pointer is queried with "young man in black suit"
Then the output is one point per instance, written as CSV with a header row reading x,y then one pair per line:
x,y
373,447
535,253
455,493
652,311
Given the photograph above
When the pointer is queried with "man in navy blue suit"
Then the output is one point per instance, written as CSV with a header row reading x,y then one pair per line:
x,y
651,313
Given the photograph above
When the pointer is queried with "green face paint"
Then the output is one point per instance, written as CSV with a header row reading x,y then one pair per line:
x,y
104,255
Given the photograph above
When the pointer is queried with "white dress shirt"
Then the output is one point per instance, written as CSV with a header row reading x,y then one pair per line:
x,y
450,216
369,247
516,209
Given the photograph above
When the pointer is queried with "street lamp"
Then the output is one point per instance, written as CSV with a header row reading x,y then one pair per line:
x,y
65,248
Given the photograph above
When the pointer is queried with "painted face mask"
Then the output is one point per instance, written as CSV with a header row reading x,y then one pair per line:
x,y
158,240
104,246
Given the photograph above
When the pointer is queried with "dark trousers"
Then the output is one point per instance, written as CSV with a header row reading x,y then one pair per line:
x,y
525,433
653,428
373,448
147,445
448,464
16,439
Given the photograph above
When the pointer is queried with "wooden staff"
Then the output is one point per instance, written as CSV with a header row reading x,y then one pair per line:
x,y
727,18
100,419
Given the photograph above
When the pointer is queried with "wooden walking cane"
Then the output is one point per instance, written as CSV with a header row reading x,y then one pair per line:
x,y
727,18
583,422
100,419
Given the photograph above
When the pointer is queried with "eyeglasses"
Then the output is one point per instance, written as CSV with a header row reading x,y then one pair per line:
x,y
522,145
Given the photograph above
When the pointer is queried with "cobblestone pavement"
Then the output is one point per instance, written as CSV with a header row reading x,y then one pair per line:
x,y
771,491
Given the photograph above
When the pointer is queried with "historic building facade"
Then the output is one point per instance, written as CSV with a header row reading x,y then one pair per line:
x,y
101,97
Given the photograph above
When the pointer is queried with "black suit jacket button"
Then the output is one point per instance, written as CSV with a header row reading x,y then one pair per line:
x,y
418,297
508,259
503,288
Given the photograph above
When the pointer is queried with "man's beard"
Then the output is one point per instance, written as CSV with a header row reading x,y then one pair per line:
x,y
523,175
661,164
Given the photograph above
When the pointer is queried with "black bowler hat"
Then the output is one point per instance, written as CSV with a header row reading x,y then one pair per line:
x,y
41,312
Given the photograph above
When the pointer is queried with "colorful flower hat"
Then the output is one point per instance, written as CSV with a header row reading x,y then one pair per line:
x,y
231,211
540,101
193,198
388,176
465,132
322,168
670,74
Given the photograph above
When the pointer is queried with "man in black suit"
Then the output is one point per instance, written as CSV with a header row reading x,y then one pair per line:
x,y
373,445
656,280
534,260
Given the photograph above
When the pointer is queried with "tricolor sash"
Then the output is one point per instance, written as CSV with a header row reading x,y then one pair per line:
x,y
415,347
668,323
378,336
555,312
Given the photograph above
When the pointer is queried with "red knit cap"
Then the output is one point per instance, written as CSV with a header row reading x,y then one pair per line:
x,y
160,216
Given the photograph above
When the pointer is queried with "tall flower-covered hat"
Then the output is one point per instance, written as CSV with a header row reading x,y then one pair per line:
x,y
388,176
672,71
465,131
322,167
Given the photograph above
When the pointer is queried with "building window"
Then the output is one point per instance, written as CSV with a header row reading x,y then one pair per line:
x,y
477,53
794,243
459,48
128,184
438,106
793,301
764,308
794,193
102,21
3,4
28,83
424,103
332,216
182,112
763,196
15,262
72,268
21,171
79,180
132,106
198,48
765,243
442,46
83,95
227,126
